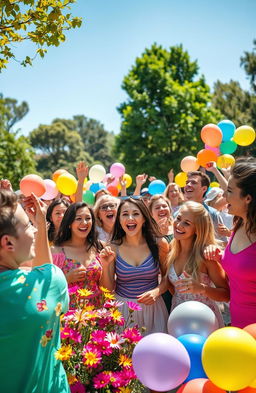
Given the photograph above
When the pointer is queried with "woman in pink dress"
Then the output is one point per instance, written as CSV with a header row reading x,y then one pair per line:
x,y
239,257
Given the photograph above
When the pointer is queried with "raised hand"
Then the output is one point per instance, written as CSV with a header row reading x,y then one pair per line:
x,y
213,253
189,285
141,179
107,256
82,171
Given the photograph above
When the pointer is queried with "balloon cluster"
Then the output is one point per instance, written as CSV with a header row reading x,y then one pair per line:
x,y
197,354
220,141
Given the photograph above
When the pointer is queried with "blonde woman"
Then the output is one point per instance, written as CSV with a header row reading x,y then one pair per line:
x,y
174,194
160,209
191,275
105,210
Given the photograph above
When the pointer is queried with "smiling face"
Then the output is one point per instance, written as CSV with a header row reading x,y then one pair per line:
x,y
237,204
131,219
194,191
57,215
107,211
160,209
82,224
173,194
184,227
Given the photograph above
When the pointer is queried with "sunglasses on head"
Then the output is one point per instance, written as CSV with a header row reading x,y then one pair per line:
x,y
107,206
136,197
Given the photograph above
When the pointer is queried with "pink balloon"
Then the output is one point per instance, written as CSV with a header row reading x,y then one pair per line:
x,y
51,190
216,150
117,169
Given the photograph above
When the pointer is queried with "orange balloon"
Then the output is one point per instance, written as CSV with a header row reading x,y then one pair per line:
x,y
189,163
211,135
57,173
113,190
32,183
251,329
200,385
247,390
204,156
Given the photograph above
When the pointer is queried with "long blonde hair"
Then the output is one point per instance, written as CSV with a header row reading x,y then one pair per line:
x,y
204,236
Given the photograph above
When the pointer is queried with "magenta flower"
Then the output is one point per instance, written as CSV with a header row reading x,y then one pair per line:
x,y
134,306
77,387
98,336
72,290
101,380
67,332
132,335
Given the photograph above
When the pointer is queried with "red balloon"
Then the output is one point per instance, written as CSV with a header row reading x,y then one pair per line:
x,y
247,390
251,329
113,190
204,156
200,385
211,135
32,183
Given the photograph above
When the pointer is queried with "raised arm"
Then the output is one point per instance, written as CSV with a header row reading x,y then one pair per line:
x,y
107,258
140,180
212,167
82,173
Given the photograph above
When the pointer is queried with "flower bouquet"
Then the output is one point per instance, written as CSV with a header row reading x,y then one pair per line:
x,y
97,345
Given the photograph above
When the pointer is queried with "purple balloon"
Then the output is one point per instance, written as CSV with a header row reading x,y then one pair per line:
x,y
160,362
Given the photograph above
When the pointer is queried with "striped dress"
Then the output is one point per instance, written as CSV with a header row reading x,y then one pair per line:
x,y
132,281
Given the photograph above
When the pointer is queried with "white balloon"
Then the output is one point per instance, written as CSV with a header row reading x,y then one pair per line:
x,y
97,173
192,317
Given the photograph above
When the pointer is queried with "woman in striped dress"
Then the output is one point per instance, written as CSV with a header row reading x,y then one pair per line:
x,y
131,265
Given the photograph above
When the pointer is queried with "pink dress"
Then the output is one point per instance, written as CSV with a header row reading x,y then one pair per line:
x,y
91,282
241,271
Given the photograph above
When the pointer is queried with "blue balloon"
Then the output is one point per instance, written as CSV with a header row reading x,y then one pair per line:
x,y
228,129
96,187
156,187
194,345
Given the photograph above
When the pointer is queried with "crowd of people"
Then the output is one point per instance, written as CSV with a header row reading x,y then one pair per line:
x,y
196,243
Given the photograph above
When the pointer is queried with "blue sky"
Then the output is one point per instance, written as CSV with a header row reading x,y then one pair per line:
x,y
84,75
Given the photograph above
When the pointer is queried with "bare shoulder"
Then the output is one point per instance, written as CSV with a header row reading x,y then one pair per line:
x,y
56,250
162,243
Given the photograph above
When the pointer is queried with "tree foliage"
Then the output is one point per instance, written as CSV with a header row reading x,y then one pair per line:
x,y
166,108
248,62
42,22
11,112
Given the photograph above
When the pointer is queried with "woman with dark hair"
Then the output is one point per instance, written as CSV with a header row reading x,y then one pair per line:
x,y
76,247
54,216
239,257
130,265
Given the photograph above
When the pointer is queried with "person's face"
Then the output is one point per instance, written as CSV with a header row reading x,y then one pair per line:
x,y
131,219
194,190
146,199
184,227
25,242
82,224
237,204
160,209
57,215
173,192
107,211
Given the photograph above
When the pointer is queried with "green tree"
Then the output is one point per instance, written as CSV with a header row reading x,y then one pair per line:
x,y
248,62
11,112
166,108
42,22
58,146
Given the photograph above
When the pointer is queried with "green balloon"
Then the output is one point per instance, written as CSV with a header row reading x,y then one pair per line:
x,y
88,197
228,147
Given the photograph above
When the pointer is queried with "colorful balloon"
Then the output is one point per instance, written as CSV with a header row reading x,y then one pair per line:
x,y
214,184
251,329
204,156
156,187
32,183
181,178
200,385
57,173
192,317
216,150
117,169
211,135
247,390
189,163
97,173
51,190
88,197
227,128
67,184
229,358
244,135
113,190
194,344
225,161
128,180
228,147
160,362
96,187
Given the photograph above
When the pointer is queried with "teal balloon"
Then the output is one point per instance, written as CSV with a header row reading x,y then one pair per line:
x,y
88,197
228,147
228,129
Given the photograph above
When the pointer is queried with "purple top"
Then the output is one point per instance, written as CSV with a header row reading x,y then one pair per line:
x,y
241,271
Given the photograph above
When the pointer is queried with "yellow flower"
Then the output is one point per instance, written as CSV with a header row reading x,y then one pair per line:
x,y
58,309
109,296
104,290
71,379
64,353
91,358
85,292
124,389
125,361
44,341
116,315
21,279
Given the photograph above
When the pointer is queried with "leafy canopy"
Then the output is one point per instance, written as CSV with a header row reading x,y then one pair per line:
x,y
43,22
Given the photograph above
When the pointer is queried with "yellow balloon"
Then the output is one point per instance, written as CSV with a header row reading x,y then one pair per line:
x,y
214,184
253,384
244,135
225,161
67,184
181,178
229,358
128,180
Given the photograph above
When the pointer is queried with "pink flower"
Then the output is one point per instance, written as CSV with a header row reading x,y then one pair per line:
x,y
42,306
48,333
98,336
77,387
134,306
113,303
132,335
73,289
92,357
101,380
115,340
67,332
104,347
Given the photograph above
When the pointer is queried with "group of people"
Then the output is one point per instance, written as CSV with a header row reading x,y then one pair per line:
x,y
157,251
